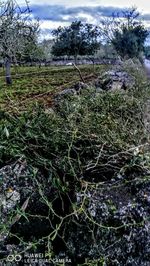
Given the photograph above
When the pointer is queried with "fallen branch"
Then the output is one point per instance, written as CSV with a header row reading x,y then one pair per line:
x,y
82,79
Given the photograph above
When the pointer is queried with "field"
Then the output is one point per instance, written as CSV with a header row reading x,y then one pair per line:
x,y
33,84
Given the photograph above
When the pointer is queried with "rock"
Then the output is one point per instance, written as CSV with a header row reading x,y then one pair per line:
x,y
64,93
111,216
10,191
115,80
61,96
50,111
80,86
24,212
75,89
10,200
147,67
99,90
115,223
120,78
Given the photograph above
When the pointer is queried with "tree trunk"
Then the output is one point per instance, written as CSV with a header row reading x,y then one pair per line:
x,y
75,60
8,71
93,62
40,64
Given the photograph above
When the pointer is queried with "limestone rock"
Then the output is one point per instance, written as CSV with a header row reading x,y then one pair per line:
x,y
75,89
115,80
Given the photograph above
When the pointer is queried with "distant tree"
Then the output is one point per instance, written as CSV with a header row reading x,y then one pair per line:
x,y
38,52
16,31
126,33
76,39
147,52
46,46
33,52
106,51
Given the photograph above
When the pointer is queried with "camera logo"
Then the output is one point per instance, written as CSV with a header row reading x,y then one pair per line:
x,y
15,258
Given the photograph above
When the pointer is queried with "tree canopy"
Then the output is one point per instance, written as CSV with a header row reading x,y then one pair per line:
x,y
76,39
126,33
147,52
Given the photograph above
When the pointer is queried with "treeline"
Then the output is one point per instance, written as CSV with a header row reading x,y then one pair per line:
x,y
121,35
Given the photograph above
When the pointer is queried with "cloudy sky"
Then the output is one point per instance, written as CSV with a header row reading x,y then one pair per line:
x,y
54,13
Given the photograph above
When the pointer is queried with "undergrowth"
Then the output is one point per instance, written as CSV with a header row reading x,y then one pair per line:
x,y
90,138
85,132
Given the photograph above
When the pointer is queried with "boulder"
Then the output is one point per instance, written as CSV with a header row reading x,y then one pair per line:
x,y
75,89
64,93
14,192
115,80
114,220
24,213
109,220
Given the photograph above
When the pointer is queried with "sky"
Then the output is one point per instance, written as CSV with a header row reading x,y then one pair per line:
x,y
54,13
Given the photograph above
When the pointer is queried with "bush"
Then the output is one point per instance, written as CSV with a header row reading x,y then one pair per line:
x,y
83,129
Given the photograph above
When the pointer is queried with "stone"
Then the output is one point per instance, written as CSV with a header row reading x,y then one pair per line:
x,y
50,111
115,223
65,93
10,200
73,90
112,217
115,80
80,86
23,211
76,89
99,90
10,191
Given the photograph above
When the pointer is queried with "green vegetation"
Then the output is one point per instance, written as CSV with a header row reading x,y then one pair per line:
x,y
74,165
85,142
110,121
76,39
126,33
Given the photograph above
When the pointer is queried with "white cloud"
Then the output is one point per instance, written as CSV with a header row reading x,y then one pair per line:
x,y
143,6
88,17
68,3
47,24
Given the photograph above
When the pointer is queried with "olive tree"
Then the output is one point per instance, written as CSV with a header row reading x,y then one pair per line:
x,y
16,31
76,39
126,33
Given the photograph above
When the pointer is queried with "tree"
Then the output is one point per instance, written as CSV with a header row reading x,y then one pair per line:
x,y
147,52
46,46
126,33
34,52
16,31
76,39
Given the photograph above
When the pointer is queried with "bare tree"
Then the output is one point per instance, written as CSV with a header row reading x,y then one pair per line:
x,y
16,31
